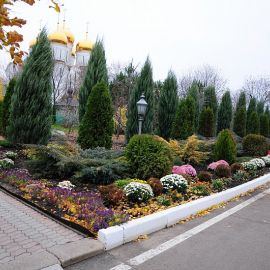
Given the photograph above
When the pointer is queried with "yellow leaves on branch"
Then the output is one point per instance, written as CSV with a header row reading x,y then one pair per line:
x,y
10,40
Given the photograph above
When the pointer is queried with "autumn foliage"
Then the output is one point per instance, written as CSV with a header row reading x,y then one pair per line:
x,y
10,39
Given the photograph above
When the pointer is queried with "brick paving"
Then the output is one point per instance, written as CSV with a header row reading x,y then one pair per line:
x,y
24,231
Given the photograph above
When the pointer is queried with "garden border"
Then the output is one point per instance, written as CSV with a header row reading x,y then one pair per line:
x,y
118,235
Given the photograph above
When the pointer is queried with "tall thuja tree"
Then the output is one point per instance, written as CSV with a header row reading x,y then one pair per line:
x,y
207,122
96,128
96,72
240,116
210,101
254,127
6,105
157,92
31,103
252,108
194,92
144,84
167,106
260,107
184,122
225,112
264,124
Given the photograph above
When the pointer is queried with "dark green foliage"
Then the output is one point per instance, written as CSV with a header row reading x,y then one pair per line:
x,y
205,176
223,171
207,122
167,106
225,147
7,104
194,91
255,145
264,125
31,103
101,153
253,124
260,107
96,128
225,112
144,84
240,116
148,157
236,167
251,116
96,72
6,144
210,100
184,122
218,185
158,85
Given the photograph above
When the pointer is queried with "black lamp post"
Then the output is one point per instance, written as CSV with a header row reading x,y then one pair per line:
x,y
141,108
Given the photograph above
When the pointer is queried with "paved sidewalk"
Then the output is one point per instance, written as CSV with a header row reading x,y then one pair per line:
x,y
25,232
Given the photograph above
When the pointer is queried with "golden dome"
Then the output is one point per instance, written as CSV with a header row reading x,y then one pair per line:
x,y
58,37
32,43
69,35
84,45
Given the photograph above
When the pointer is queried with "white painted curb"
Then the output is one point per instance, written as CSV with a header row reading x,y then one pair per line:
x,y
118,235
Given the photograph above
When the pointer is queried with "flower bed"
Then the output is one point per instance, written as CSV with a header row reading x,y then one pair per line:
x,y
97,207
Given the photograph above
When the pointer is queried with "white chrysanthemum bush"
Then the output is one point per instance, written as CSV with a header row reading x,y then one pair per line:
x,y
266,160
174,181
6,163
66,185
254,164
138,192
11,154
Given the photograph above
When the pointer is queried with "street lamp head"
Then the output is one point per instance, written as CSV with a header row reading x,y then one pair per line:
x,y
142,106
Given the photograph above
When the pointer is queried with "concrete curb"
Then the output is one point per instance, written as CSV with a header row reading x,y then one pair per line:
x,y
77,251
117,235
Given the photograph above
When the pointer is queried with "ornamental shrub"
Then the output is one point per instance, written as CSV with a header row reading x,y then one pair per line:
x,y
240,176
223,171
174,182
7,104
137,192
236,167
96,128
225,147
266,160
111,194
207,122
212,166
156,186
31,103
148,156
225,112
201,189
218,185
184,169
253,125
255,145
205,176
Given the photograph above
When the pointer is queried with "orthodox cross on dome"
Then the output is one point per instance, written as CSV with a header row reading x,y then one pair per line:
x,y
64,18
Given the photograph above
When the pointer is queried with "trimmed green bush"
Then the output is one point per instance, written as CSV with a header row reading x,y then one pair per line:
x,y
225,147
207,122
148,157
205,176
255,145
6,105
96,128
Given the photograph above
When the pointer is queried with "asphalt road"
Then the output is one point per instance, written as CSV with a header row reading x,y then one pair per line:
x,y
240,241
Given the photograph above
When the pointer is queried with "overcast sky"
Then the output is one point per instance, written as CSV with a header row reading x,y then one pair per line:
x,y
231,35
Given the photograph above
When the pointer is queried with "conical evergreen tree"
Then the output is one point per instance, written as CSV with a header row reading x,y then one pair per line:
x,y
7,104
207,122
210,101
252,107
31,104
184,122
167,106
264,125
96,72
225,112
144,84
260,107
254,120
96,128
240,116
194,91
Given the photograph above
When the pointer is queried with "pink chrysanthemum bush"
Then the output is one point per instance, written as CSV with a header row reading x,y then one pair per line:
x,y
212,166
184,169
